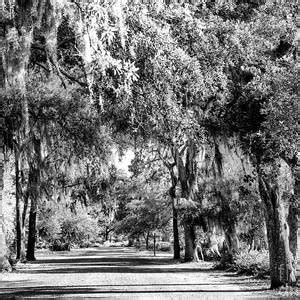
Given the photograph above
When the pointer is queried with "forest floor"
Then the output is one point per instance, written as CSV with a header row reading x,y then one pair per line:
x,y
127,273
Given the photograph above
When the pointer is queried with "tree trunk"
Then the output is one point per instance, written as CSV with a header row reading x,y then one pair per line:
x,y
176,245
231,238
229,225
30,256
213,243
154,244
106,233
20,251
20,218
147,240
34,187
294,220
130,241
187,162
293,226
282,266
191,251
175,232
23,234
3,260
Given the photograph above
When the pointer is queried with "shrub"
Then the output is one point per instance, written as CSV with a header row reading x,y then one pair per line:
x,y
58,245
164,246
249,263
78,229
253,262
118,244
62,230
161,246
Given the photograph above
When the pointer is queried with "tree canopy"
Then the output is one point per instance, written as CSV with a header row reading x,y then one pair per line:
x,y
205,93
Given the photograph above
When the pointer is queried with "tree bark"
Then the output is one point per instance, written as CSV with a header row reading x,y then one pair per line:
x,y
293,226
175,231
20,243
147,240
154,244
231,238
106,233
277,213
23,234
34,187
176,245
30,256
3,259
191,249
186,162
229,225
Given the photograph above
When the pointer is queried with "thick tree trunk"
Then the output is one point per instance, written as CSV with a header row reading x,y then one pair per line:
x,y
277,213
231,238
294,215
293,226
186,162
191,251
3,260
213,243
229,225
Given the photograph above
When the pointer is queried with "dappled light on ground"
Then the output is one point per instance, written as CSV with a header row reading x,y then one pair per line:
x,y
125,273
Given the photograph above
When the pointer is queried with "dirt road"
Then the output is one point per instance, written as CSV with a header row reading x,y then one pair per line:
x,y
124,273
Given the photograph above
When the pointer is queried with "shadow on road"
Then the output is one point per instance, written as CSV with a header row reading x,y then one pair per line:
x,y
110,260
113,289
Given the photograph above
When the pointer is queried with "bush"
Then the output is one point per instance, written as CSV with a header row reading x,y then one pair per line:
x,y
249,263
41,244
78,229
161,246
57,245
253,262
118,244
85,244
62,230
164,246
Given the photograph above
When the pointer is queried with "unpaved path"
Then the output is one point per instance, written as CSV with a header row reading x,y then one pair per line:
x,y
124,273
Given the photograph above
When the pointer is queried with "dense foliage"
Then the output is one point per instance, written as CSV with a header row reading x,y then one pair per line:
x,y
204,94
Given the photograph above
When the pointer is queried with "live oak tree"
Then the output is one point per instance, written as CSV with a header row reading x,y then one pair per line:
x,y
143,204
266,121
261,110
263,64
179,75
34,25
236,53
160,160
